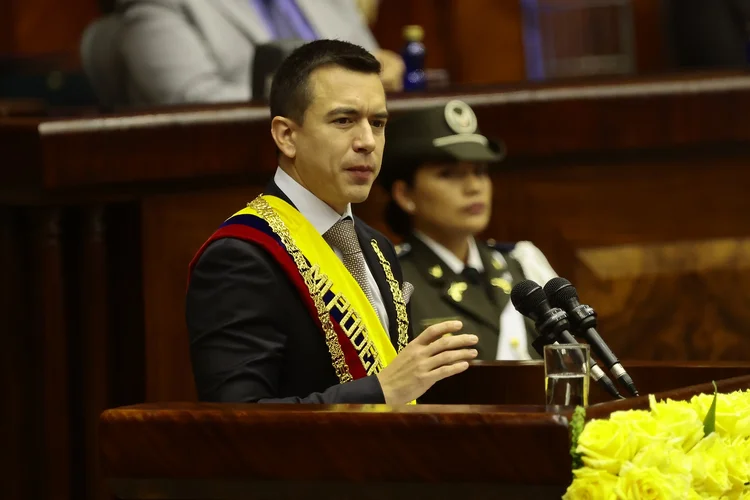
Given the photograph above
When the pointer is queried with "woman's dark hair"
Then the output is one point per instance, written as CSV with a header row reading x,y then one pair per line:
x,y
398,220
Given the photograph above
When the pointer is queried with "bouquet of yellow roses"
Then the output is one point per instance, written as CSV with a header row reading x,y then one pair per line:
x,y
675,450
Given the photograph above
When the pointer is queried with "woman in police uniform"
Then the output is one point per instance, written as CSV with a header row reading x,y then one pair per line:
x,y
436,169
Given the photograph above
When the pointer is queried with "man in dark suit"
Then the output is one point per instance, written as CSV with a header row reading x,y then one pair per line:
x,y
268,311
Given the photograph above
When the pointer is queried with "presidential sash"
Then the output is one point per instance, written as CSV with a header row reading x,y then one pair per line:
x,y
358,344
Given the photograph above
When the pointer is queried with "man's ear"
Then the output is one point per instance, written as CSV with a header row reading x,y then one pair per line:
x,y
403,197
283,131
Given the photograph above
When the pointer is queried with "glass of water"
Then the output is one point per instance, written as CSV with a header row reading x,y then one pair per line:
x,y
566,374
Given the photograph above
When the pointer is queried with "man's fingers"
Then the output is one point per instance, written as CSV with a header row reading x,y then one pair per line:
x,y
451,342
449,370
434,332
450,357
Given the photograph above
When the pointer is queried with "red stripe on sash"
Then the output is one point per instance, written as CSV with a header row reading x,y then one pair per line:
x,y
273,247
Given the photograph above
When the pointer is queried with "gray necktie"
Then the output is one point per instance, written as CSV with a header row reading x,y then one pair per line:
x,y
343,236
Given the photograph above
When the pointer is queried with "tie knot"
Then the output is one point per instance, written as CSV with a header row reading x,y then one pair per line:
x,y
343,236
472,275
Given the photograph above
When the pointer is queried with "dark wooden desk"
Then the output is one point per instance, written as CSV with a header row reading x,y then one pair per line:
x,y
22,107
501,450
636,191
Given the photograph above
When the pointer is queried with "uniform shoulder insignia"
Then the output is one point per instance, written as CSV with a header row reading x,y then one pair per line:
x,y
403,249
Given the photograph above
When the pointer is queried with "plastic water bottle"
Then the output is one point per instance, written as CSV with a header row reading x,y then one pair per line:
x,y
413,54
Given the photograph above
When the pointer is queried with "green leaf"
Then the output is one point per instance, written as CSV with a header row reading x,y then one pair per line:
x,y
709,423
576,428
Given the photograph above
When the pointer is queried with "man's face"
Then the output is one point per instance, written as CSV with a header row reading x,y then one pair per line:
x,y
339,146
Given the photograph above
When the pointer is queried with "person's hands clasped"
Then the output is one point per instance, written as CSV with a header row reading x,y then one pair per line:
x,y
430,357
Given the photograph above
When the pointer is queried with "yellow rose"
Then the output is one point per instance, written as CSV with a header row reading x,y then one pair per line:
x,y
591,484
650,484
693,495
679,420
742,446
710,474
606,445
732,495
737,465
667,458
732,412
642,424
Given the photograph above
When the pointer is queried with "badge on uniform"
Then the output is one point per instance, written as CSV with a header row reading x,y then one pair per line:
x,y
502,284
456,291
436,272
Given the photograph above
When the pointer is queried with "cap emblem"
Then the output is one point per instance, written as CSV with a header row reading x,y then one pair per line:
x,y
460,117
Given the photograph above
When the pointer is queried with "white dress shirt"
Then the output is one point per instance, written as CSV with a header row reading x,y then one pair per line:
x,y
323,217
512,343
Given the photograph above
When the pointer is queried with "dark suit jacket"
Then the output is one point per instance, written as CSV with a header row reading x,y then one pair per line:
x,y
252,338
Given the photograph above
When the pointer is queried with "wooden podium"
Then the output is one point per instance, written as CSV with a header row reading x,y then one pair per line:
x,y
505,450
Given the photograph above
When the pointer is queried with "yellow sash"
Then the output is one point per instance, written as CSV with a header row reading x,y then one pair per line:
x,y
327,273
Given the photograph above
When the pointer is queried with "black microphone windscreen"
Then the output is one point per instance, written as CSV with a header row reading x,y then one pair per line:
x,y
559,291
526,296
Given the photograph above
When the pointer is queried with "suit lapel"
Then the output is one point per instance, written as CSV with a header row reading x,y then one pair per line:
x,y
243,15
376,268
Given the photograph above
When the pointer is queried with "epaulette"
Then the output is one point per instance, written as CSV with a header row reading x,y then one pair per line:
x,y
501,246
402,249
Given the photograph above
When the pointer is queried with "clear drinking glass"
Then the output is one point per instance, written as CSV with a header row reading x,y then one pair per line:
x,y
566,374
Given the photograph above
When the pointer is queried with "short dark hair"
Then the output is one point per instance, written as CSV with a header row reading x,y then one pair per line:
x,y
290,89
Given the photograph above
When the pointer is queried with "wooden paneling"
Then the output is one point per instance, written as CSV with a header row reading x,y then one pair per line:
x,y
6,33
687,117
659,250
485,42
35,27
224,451
48,330
16,360
173,231
94,346
650,36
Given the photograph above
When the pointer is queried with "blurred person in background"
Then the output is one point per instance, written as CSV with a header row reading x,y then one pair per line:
x,y
436,168
193,51
710,34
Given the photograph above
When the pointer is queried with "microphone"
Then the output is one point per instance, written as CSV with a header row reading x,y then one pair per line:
x,y
552,324
563,294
